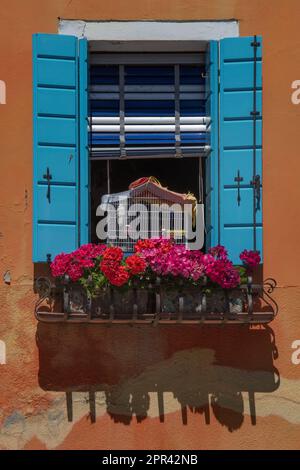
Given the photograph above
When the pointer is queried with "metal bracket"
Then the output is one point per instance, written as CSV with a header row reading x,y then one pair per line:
x,y
238,179
268,287
48,177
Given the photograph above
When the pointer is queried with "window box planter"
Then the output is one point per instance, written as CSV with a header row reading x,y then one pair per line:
x,y
195,301
249,303
161,283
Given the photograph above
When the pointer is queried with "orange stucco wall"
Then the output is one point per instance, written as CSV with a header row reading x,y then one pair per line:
x,y
167,372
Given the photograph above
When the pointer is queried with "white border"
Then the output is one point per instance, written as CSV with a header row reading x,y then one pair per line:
x,y
149,30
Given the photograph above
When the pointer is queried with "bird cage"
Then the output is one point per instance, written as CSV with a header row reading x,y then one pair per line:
x,y
145,210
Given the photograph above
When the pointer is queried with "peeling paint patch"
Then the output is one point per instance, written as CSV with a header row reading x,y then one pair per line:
x,y
49,426
7,277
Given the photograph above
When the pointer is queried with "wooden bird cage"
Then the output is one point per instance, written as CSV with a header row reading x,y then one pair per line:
x,y
160,213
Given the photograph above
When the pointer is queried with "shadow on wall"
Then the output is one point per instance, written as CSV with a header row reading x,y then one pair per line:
x,y
206,368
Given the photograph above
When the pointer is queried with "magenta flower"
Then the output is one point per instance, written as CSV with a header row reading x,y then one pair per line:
x,y
165,259
75,271
250,258
90,250
73,264
161,256
208,259
218,252
60,264
223,272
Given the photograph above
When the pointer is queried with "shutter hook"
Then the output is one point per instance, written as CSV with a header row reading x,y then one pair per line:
x,y
256,187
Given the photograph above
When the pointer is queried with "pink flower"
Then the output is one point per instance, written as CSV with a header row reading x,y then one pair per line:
x,y
250,258
74,263
165,258
162,256
75,271
60,264
219,252
208,259
89,250
223,272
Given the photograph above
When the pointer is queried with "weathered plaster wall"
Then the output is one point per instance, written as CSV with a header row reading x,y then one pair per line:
x,y
151,386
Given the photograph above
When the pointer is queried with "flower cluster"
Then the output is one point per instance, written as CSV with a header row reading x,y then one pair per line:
x,y
220,269
167,259
73,264
135,264
92,259
111,267
222,272
106,265
250,258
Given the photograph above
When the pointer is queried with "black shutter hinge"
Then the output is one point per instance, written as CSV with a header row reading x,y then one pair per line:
x,y
48,258
255,44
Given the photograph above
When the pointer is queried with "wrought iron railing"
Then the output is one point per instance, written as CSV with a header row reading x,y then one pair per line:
x,y
69,302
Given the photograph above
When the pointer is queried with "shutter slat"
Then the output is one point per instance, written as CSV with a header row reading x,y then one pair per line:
x,y
149,120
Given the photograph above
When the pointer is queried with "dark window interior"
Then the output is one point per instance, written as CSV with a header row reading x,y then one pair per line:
x,y
181,175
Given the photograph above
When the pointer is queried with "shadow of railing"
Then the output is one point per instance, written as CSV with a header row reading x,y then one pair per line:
x,y
206,368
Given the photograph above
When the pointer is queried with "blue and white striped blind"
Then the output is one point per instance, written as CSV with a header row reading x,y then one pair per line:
x,y
147,110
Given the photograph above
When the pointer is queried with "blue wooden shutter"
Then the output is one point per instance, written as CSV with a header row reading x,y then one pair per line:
x,y
240,145
56,146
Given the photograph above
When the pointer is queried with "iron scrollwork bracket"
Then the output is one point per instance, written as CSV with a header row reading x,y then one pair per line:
x,y
260,291
268,288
